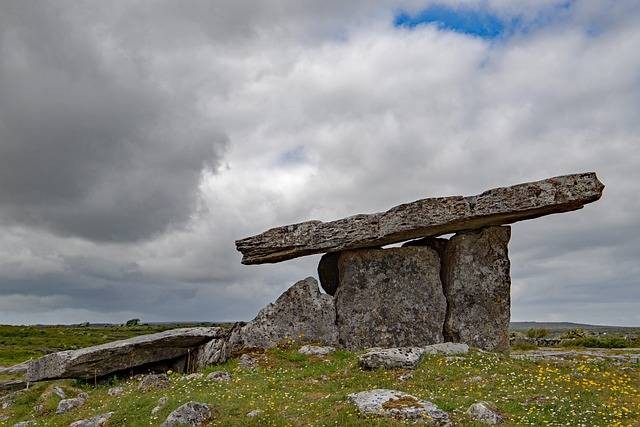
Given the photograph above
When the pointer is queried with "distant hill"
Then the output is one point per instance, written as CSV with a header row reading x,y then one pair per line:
x,y
562,326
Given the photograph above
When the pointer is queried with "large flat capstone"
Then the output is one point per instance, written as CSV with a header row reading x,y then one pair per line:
x,y
422,218
104,359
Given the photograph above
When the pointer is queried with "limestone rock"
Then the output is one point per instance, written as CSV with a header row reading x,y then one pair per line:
x,y
254,413
422,218
120,355
302,313
162,402
248,362
477,285
485,413
390,298
191,414
58,391
97,421
219,376
25,423
392,403
115,391
314,350
448,348
390,358
213,352
153,382
66,405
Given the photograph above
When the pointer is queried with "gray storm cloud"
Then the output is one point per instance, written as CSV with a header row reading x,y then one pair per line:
x,y
91,145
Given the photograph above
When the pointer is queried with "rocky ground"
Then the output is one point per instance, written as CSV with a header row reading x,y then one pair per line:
x,y
286,387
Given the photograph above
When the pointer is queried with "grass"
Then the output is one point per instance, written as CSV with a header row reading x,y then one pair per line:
x,y
297,390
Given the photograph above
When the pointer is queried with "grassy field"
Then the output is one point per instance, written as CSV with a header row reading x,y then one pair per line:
x,y
297,390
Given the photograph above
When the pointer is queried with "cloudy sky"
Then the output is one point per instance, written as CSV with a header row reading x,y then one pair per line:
x,y
139,139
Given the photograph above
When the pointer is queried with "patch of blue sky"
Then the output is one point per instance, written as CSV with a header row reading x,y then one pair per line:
x,y
479,21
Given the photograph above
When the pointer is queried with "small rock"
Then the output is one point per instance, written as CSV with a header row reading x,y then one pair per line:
x,y
219,376
453,358
485,412
153,381
162,402
476,379
392,403
97,421
25,423
115,391
447,348
194,376
405,377
191,413
66,405
248,361
4,417
254,413
314,350
389,358
58,391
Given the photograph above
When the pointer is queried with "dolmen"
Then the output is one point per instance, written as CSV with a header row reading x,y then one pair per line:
x,y
427,291
430,289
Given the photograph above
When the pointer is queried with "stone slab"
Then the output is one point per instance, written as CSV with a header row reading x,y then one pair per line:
x,y
422,218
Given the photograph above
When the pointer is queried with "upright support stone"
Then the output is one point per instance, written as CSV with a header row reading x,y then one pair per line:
x,y
477,286
389,298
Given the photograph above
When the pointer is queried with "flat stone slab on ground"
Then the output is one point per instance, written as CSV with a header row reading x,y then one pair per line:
x,y
396,404
422,218
97,421
391,358
104,359
314,350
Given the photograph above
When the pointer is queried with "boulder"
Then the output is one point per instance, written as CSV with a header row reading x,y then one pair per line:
x,y
97,421
191,414
485,412
423,218
390,298
396,404
477,285
390,358
302,313
123,355
314,350
153,382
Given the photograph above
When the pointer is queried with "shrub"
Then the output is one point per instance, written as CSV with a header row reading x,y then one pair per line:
x,y
599,342
537,333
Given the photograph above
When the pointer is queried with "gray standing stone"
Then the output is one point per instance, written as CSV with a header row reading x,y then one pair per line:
x,y
477,285
390,298
191,414
396,404
302,313
447,348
